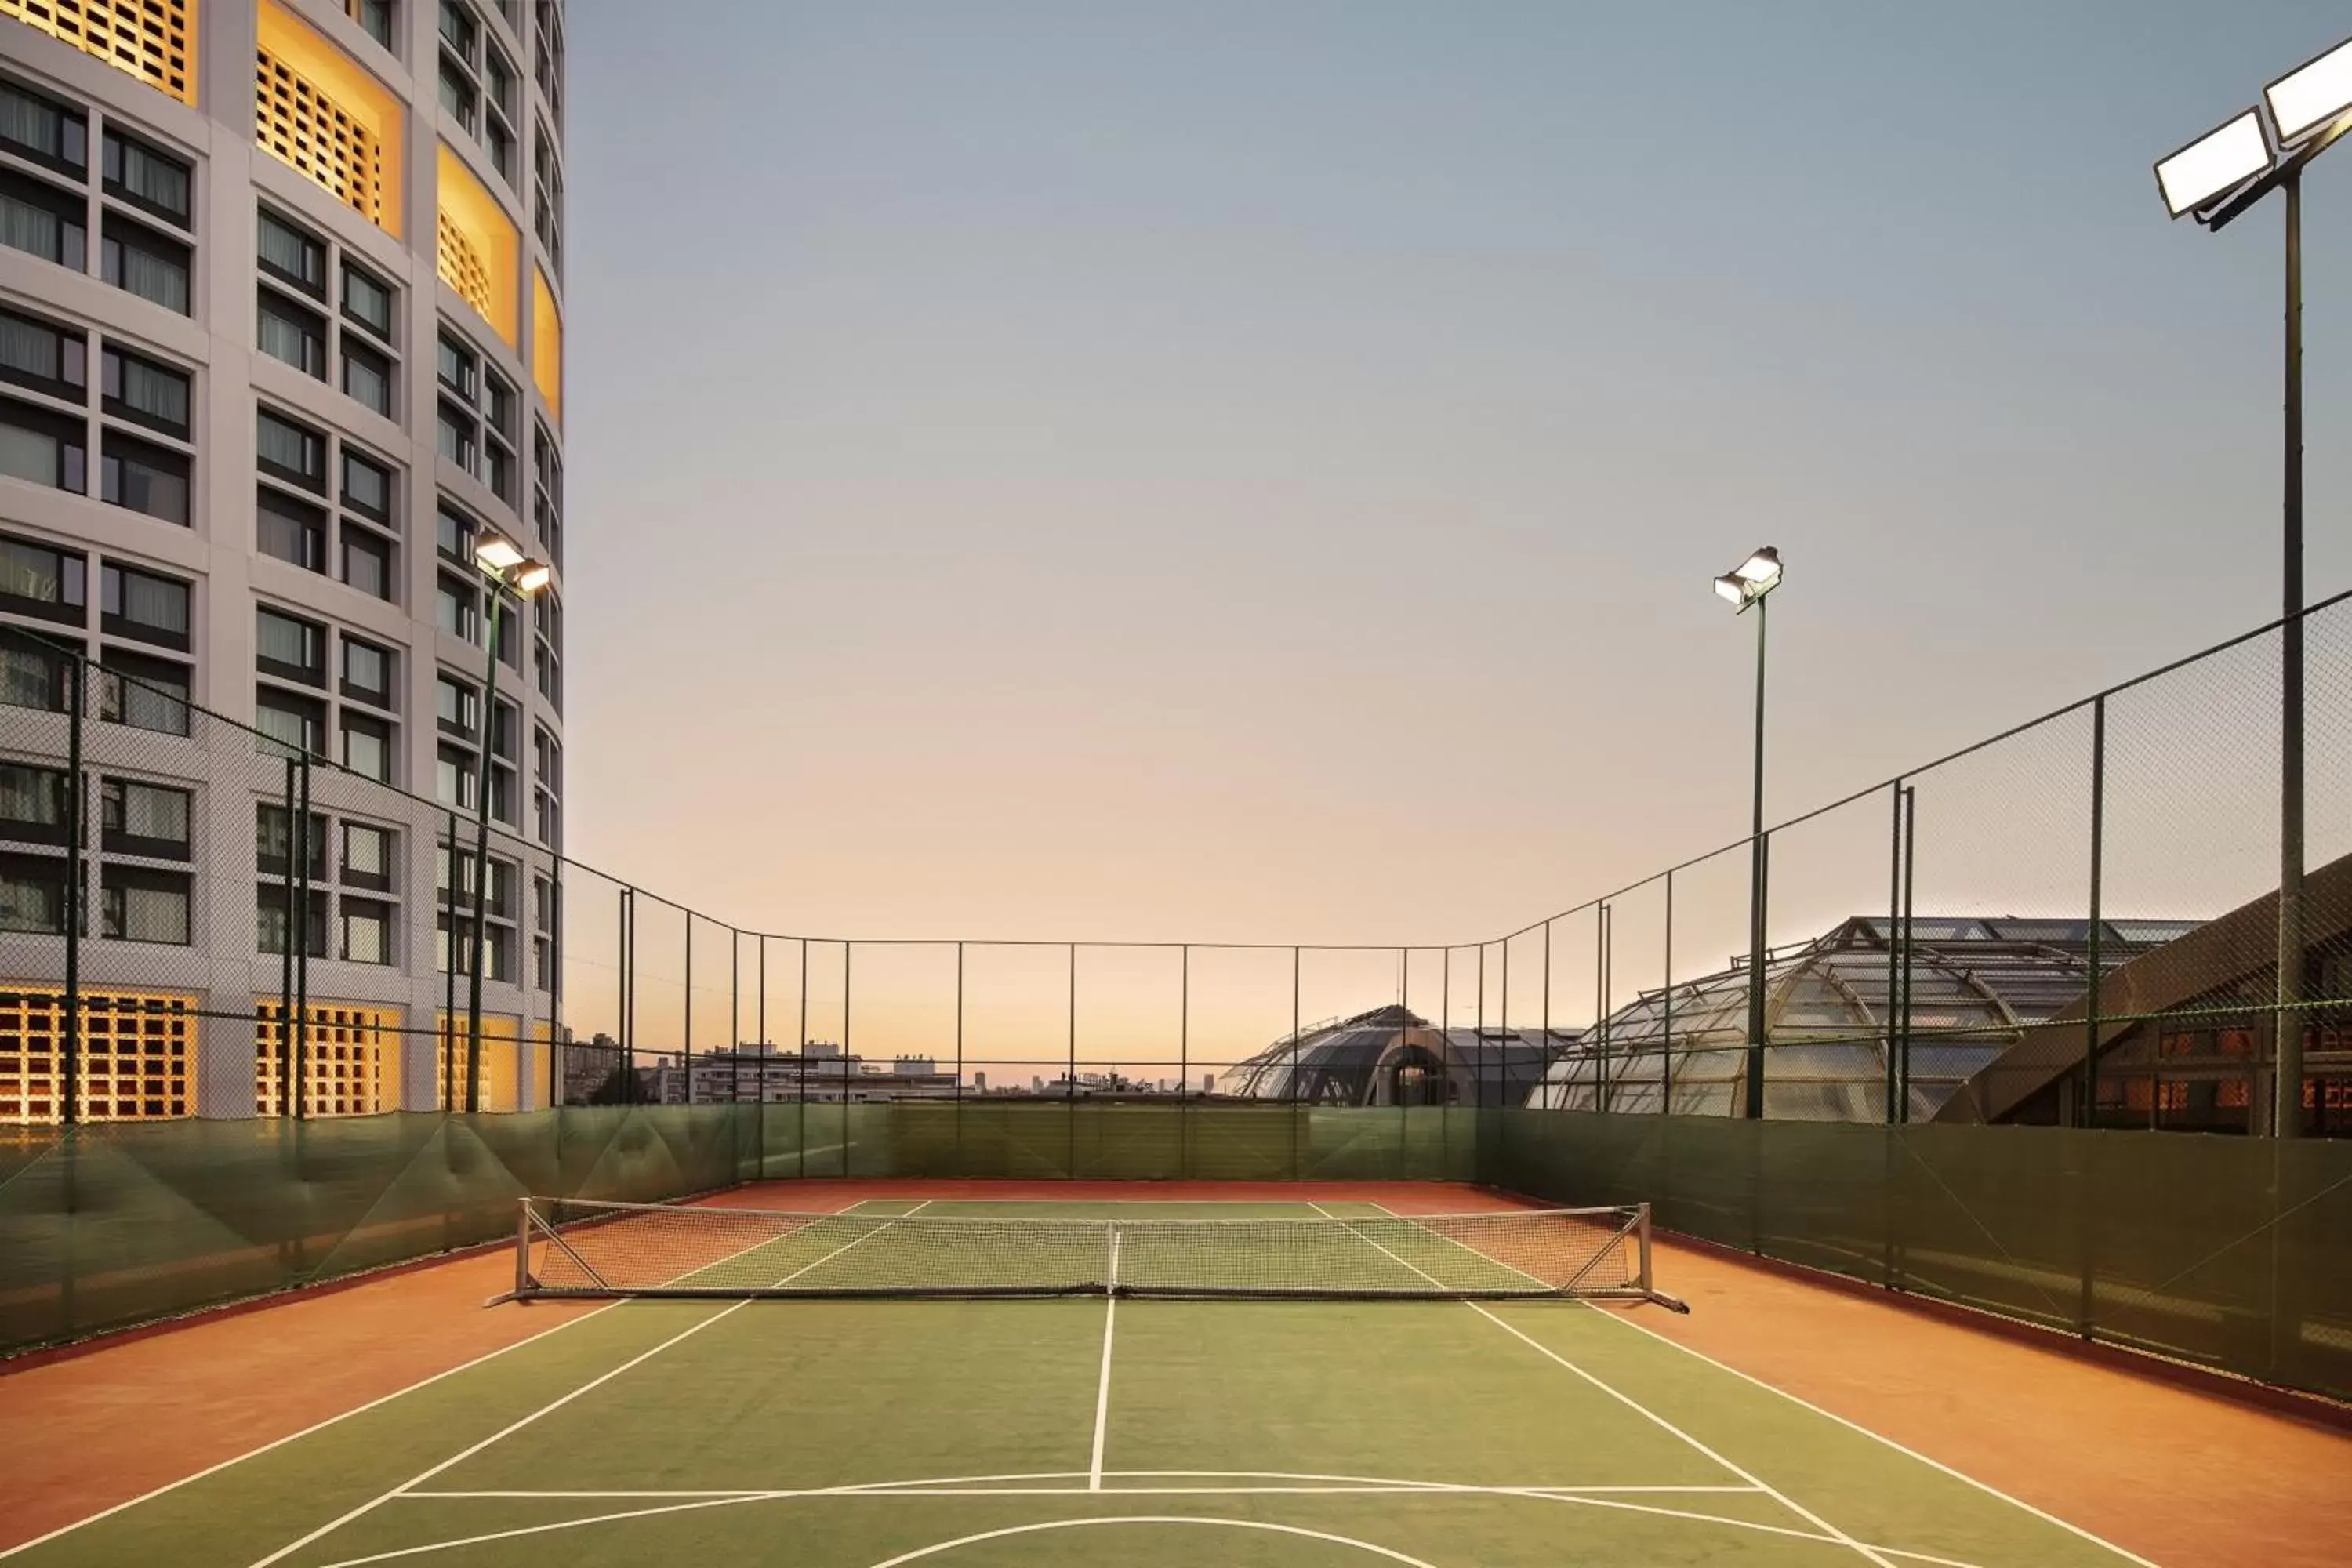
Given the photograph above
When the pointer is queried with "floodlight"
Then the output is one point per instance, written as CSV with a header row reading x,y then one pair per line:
x,y
1730,588
498,553
532,577
2310,96
2214,164
1761,569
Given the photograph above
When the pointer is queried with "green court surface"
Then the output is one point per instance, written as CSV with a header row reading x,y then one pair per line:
x,y
866,1434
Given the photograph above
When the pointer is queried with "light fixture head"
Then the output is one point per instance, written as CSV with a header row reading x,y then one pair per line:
x,y
496,552
532,577
1760,570
1731,589
2214,164
2311,96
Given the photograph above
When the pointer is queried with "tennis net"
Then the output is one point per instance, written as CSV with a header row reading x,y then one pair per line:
x,y
573,1248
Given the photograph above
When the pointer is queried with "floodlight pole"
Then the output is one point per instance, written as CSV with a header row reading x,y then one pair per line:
x,y
1755,890
2286,1115
2288,1050
495,603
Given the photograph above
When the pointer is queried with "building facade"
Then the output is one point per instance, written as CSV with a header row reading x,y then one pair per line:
x,y
281,307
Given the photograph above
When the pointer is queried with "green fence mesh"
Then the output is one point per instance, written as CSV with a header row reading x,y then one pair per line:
x,y
2229,1252
116,1224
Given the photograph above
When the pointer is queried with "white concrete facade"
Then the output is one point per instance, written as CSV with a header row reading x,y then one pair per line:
x,y
225,962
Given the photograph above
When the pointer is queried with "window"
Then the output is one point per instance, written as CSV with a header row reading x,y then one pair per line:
x,y
144,693
502,794
453,777
458,97
367,376
271,825
291,256
547,198
367,486
367,746
33,803
290,648
42,356
290,531
35,673
36,580
146,819
43,130
477,422
33,894
274,903
374,16
136,604
546,758
141,390
292,452
291,334
144,477
146,178
455,364
367,931
367,561
367,856
458,30
547,63
288,723
454,608
139,261
454,534
456,706
367,673
44,447
505,721
367,300
456,439
144,904
547,491
44,221
510,644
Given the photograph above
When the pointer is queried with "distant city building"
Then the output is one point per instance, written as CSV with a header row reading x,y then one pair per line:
x,y
818,1072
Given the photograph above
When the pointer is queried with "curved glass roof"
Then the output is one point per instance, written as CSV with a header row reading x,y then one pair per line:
x,y
1975,985
1391,1056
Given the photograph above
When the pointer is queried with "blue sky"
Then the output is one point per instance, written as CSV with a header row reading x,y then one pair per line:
x,y
1253,471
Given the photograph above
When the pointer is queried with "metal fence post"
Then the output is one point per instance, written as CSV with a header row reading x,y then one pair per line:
x,y
286,959
450,948
1895,954
77,808
686,1055
1291,1091
847,949
301,944
1070,1075
1184,1060
1666,1012
1910,878
799,1052
2089,1116
1600,1005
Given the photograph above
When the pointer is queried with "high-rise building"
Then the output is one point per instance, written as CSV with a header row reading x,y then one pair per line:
x,y
281,318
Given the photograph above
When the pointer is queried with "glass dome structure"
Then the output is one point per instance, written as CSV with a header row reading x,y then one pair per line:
x,y
1976,984
1393,1057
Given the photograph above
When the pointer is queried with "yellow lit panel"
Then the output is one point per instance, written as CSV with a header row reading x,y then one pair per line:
x,y
546,344
480,250
350,1058
318,113
154,40
138,1055
499,1038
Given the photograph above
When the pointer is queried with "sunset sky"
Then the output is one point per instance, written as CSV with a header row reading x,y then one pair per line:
x,y
1252,473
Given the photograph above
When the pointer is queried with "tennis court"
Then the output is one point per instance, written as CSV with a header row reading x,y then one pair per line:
x,y
867,1433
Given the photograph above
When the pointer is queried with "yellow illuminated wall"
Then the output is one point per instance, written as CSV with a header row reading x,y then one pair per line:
x,y
154,40
498,1058
138,1055
320,114
350,1056
479,249
546,344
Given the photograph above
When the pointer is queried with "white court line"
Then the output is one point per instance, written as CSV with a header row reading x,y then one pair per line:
x,y
562,1400
916,1489
1651,1416
150,1495
1102,1387
1985,1488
